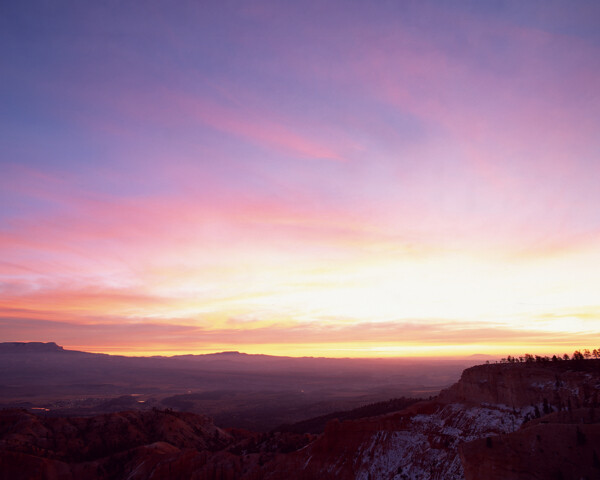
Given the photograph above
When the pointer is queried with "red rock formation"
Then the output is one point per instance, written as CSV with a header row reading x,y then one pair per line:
x,y
522,384
132,445
559,446
422,442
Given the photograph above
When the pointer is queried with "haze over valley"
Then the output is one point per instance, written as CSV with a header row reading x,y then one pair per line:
x,y
258,392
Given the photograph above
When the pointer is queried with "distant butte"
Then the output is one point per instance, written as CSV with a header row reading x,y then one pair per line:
x,y
30,347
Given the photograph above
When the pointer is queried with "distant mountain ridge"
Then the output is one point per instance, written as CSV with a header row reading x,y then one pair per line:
x,y
48,347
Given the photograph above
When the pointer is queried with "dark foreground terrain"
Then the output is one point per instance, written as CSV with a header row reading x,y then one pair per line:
x,y
500,421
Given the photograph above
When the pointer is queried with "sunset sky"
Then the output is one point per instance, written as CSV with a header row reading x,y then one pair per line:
x,y
352,178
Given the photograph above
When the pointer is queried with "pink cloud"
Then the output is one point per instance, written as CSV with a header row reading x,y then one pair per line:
x,y
258,129
169,109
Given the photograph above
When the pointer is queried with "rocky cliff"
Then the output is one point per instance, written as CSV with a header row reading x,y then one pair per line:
x,y
562,445
521,384
423,442
559,439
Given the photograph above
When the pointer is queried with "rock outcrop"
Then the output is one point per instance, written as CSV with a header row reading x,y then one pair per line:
x,y
559,438
563,445
423,441
520,384
132,445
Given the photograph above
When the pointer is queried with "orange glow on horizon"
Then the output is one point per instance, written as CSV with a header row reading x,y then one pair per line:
x,y
441,304
449,352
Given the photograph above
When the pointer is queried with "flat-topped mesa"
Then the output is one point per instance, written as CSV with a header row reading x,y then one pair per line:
x,y
30,347
560,384
563,443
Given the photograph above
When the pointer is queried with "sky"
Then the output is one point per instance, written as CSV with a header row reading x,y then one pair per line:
x,y
341,179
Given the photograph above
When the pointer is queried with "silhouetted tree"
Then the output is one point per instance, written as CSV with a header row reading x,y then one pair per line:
x,y
546,408
529,358
557,383
581,440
